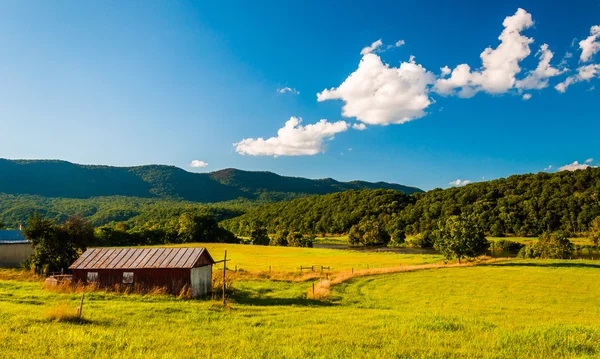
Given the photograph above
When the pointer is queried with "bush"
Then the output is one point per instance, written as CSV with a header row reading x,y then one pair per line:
x,y
368,233
460,237
550,246
424,239
507,245
295,239
260,237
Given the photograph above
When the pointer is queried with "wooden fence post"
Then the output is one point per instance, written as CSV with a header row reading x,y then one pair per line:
x,y
313,290
224,274
80,310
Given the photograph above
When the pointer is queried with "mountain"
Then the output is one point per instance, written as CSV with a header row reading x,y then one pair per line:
x,y
61,179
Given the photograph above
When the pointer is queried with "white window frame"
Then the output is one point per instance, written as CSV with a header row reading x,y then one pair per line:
x,y
92,277
128,277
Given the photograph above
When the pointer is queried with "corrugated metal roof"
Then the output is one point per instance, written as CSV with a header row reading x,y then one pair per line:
x,y
129,258
11,236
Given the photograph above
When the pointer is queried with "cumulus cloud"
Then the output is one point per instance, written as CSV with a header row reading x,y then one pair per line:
x,y
399,43
378,94
589,160
538,78
359,126
499,66
584,73
459,183
374,46
575,166
198,164
590,45
288,89
293,139
527,96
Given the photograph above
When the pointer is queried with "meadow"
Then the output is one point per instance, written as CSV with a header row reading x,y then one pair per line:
x,y
290,259
508,309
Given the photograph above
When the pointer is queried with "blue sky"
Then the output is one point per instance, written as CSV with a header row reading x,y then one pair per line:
x,y
169,82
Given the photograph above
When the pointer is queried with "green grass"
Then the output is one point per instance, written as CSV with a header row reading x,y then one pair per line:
x,y
518,309
342,239
526,240
259,258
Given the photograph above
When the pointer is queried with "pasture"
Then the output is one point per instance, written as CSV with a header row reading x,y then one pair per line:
x,y
513,309
289,259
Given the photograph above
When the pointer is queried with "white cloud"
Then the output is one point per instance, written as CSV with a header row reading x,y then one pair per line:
x,y
288,89
575,166
589,160
372,47
378,94
527,96
590,45
445,71
293,139
198,164
399,43
538,78
459,183
359,126
584,73
548,168
499,66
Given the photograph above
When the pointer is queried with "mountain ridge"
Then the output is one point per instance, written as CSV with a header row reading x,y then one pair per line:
x,y
63,179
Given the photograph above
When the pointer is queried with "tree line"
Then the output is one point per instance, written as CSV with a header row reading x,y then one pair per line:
x,y
520,205
57,245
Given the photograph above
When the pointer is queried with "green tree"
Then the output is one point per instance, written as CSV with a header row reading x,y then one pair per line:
x,y
594,231
296,239
56,247
260,237
554,245
368,233
460,238
279,239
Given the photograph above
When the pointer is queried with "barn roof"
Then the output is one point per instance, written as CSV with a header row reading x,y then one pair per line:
x,y
138,258
12,236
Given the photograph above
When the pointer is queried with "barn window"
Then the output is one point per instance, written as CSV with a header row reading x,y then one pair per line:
x,y
127,277
92,277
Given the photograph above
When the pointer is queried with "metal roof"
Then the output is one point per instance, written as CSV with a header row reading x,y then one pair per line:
x,y
11,236
137,258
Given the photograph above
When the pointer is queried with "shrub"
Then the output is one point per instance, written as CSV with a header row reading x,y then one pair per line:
x,y
260,237
550,246
424,239
507,245
295,239
459,238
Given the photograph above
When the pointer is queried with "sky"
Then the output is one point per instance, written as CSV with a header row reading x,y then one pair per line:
x,y
433,94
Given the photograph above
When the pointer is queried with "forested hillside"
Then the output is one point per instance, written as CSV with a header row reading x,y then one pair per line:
x,y
15,210
331,213
523,205
67,180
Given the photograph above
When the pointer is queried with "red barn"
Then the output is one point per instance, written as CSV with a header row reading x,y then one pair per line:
x,y
171,268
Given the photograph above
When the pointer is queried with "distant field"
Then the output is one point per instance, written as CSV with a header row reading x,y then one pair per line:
x,y
519,309
259,258
525,240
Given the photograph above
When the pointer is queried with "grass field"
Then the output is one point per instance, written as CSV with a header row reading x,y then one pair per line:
x,y
526,240
259,258
518,309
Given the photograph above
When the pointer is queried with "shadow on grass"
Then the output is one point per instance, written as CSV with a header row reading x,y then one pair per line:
x,y
250,298
550,265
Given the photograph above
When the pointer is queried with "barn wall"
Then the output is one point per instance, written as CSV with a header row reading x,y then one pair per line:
x,y
172,279
201,279
13,254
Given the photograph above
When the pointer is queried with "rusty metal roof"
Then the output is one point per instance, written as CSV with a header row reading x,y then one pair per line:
x,y
131,258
